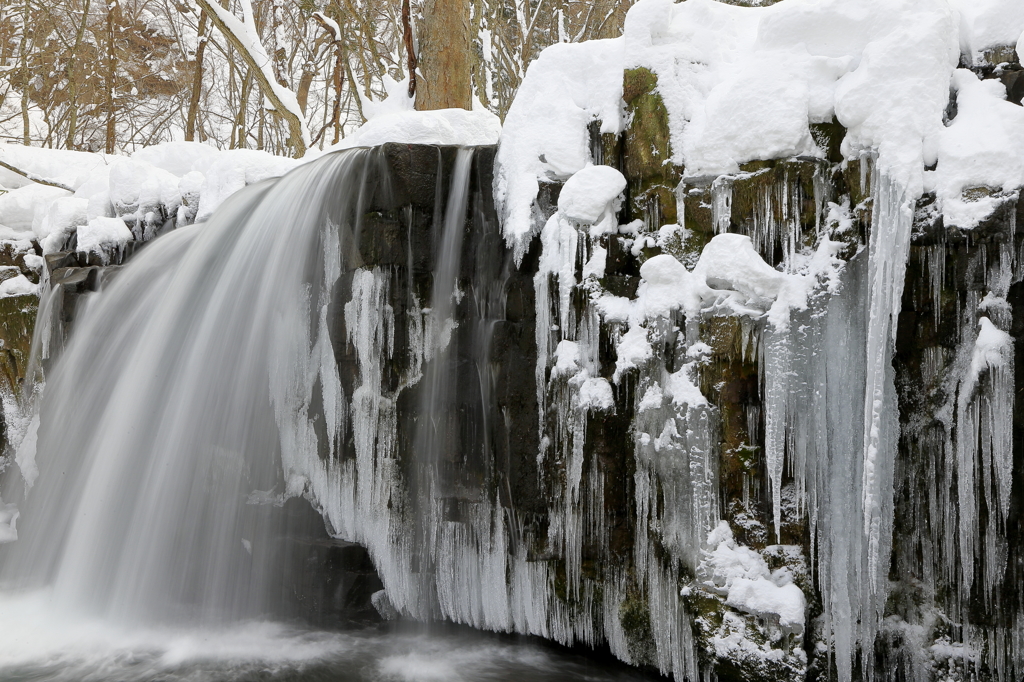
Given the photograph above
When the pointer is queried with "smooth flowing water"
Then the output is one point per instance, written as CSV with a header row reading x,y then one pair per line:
x,y
159,461
78,649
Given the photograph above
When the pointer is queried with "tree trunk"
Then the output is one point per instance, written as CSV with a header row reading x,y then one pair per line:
x,y
238,134
445,57
197,81
73,81
410,47
112,23
25,77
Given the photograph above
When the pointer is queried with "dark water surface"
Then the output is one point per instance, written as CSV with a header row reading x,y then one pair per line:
x,y
37,645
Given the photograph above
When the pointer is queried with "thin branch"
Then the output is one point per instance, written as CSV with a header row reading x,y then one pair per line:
x,y
35,178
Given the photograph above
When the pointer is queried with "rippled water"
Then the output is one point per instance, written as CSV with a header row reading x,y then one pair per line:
x,y
37,645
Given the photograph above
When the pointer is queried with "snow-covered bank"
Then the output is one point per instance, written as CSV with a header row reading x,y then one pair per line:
x,y
117,199
747,83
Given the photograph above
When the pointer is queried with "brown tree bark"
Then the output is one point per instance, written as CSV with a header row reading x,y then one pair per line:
x,y
445,56
73,80
197,80
113,10
410,48
337,77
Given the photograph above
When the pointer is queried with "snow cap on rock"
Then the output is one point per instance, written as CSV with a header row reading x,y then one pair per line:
x,y
590,193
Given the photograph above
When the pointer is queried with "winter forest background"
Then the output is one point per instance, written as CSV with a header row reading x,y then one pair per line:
x,y
116,75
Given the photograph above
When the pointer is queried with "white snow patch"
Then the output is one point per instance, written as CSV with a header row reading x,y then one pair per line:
x,y
592,193
749,585
17,286
102,235
991,349
18,208
730,262
986,24
596,394
545,135
441,127
983,147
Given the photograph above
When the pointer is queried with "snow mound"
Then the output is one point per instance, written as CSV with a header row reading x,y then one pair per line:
x,y
985,24
68,168
729,261
748,83
102,236
52,225
591,193
545,135
748,583
441,127
983,147
17,286
18,208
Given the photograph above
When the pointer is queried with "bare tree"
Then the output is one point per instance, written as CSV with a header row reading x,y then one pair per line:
x,y
244,37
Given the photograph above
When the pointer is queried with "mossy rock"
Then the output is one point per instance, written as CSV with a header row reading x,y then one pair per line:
x,y
635,618
785,192
829,137
731,381
17,320
647,153
762,657
698,217
1000,54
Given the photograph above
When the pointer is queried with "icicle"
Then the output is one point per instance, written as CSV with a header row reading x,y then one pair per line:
x,y
721,206
775,364
888,249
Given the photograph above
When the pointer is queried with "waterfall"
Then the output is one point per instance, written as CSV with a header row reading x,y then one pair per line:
x,y
160,461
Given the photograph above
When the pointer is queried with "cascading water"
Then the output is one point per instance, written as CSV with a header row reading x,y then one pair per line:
x,y
158,484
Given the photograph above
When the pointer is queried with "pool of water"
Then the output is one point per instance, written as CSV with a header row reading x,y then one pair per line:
x,y
38,644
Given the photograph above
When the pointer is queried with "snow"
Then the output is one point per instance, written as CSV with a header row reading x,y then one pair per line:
x,y
68,168
592,193
763,596
567,359
441,127
632,351
17,286
682,389
52,223
545,133
178,158
982,147
986,24
396,101
595,393
103,235
667,285
991,349
136,187
882,68
749,585
18,208
729,261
